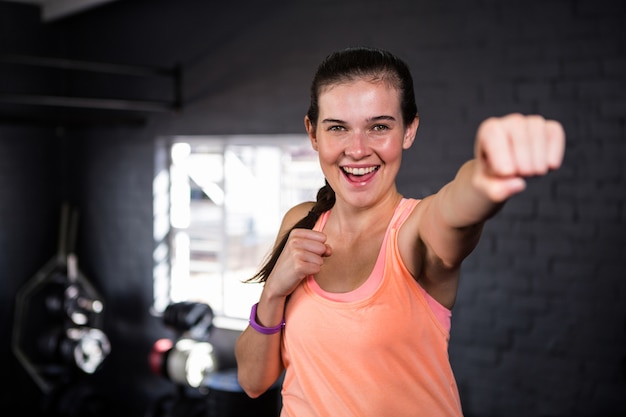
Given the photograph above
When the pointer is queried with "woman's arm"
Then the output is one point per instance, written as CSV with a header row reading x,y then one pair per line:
x,y
449,223
259,360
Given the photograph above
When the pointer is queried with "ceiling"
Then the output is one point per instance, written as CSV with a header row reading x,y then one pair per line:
x,y
44,108
52,10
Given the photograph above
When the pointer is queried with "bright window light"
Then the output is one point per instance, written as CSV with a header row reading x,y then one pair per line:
x,y
227,196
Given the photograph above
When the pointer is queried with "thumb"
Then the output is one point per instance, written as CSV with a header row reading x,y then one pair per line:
x,y
499,189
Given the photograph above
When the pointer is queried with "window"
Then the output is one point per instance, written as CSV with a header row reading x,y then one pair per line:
x,y
219,202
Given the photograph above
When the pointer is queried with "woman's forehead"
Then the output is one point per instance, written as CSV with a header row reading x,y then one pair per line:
x,y
359,82
360,95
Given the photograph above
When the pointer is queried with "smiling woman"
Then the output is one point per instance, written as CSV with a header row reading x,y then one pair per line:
x,y
367,263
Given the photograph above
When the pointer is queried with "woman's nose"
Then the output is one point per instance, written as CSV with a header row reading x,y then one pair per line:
x,y
357,146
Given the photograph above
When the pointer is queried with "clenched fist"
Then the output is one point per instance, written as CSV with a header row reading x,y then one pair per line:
x,y
511,148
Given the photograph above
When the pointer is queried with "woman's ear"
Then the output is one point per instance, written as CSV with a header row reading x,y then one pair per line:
x,y
410,132
310,130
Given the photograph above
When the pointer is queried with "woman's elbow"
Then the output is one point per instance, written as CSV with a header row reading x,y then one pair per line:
x,y
253,394
252,390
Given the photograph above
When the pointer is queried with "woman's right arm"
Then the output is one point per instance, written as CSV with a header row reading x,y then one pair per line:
x,y
259,361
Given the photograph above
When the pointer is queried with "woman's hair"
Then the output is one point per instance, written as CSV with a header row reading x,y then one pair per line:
x,y
340,67
364,63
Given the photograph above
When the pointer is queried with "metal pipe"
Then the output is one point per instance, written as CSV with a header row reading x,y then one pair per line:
x,y
87,103
71,64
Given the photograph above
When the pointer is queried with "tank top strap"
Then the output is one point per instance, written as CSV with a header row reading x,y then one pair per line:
x,y
403,211
321,222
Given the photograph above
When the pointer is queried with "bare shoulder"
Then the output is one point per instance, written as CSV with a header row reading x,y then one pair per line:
x,y
294,214
422,240
409,240
410,228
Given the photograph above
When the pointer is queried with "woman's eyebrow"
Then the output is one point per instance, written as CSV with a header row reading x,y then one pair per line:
x,y
333,121
371,119
383,117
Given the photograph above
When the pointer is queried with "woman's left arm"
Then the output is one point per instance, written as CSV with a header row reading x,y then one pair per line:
x,y
507,150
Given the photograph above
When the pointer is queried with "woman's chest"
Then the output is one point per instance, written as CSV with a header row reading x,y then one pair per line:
x,y
350,264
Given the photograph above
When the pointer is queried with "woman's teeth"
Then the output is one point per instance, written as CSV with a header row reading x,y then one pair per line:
x,y
359,171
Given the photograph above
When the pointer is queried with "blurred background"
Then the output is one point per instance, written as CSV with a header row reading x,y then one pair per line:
x,y
148,150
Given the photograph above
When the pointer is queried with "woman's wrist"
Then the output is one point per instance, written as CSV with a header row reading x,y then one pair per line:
x,y
259,327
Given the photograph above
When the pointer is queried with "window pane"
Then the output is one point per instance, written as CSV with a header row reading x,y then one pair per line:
x,y
227,199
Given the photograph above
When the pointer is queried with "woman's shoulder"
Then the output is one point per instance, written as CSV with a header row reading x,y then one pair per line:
x,y
295,213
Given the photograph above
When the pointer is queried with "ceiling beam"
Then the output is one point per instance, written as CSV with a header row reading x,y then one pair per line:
x,y
57,9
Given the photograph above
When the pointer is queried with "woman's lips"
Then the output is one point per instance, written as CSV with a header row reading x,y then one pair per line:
x,y
360,174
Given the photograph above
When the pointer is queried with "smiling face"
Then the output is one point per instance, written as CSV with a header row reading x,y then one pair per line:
x,y
360,136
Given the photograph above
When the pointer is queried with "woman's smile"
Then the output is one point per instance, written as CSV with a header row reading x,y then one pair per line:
x,y
360,174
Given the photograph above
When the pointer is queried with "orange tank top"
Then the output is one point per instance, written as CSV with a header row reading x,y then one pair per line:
x,y
378,351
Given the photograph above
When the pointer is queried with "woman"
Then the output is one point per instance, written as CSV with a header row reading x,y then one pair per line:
x,y
359,289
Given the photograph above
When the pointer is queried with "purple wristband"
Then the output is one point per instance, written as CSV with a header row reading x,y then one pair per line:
x,y
261,329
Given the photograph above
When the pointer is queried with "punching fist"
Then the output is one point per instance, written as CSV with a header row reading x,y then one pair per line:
x,y
511,148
